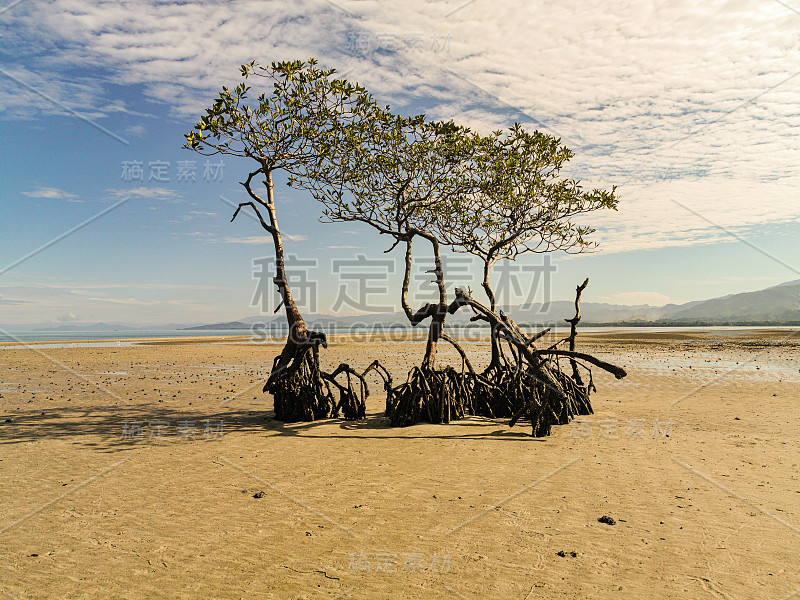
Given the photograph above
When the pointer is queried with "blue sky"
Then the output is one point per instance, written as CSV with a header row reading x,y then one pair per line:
x,y
690,110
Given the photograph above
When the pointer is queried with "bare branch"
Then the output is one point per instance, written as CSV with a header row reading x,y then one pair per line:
x,y
618,372
264,224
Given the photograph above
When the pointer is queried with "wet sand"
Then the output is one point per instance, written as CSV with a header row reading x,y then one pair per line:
x,y
130,472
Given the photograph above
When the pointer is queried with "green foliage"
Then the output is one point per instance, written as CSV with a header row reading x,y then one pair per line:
x,y
283,129
495,196
388,171
517,201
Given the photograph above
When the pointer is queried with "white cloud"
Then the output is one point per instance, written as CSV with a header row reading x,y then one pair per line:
x,y
694,102
53,193
192,214
138,302
157,193
135,130
262,239
73,288
148,302
253,239
686,212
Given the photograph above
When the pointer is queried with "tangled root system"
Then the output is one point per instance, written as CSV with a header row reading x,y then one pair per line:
x,y
543,395
304,392
430,395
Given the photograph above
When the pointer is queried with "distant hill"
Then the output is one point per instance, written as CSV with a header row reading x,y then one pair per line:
x,y
780,303
218,326
591,312
87,327
774,305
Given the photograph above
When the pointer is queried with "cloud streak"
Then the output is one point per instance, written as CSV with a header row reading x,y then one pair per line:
x,y
53,193
684,101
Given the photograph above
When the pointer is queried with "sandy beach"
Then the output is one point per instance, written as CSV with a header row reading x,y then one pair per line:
x,y
132,471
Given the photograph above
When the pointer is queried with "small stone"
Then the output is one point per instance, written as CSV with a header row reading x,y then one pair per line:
x,y
607,520
260,495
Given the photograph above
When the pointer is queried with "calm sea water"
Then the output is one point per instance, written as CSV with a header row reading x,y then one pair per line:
x,y
70,336
108,338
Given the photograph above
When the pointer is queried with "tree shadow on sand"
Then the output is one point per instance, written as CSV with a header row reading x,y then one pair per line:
x,y
119,429
377,426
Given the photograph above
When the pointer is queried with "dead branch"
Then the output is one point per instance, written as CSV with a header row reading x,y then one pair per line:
x,y
574,329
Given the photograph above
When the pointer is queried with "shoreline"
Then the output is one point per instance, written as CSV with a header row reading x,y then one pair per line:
x,y
419,334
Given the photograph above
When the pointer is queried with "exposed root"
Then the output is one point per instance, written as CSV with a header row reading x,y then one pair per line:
x,y
299,391
387,382
530,383
304,392
542,394
525,384
430,395
352,406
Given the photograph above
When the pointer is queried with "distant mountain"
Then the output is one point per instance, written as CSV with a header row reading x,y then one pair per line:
x,y
778,304
313,320
86,327
591,312
78,327
218,326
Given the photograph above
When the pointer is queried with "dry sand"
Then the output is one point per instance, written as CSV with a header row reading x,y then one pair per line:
x,y
130,472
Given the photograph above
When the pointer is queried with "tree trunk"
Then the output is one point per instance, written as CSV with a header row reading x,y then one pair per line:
x,y
300,389
298,331
438,318
494,333
437,312
293,316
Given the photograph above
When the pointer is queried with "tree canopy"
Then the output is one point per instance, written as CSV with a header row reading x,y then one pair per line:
x,y
516,201
494,196
285,129
282,129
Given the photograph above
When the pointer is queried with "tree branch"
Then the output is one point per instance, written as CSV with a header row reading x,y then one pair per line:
x,y
264,224
532,356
